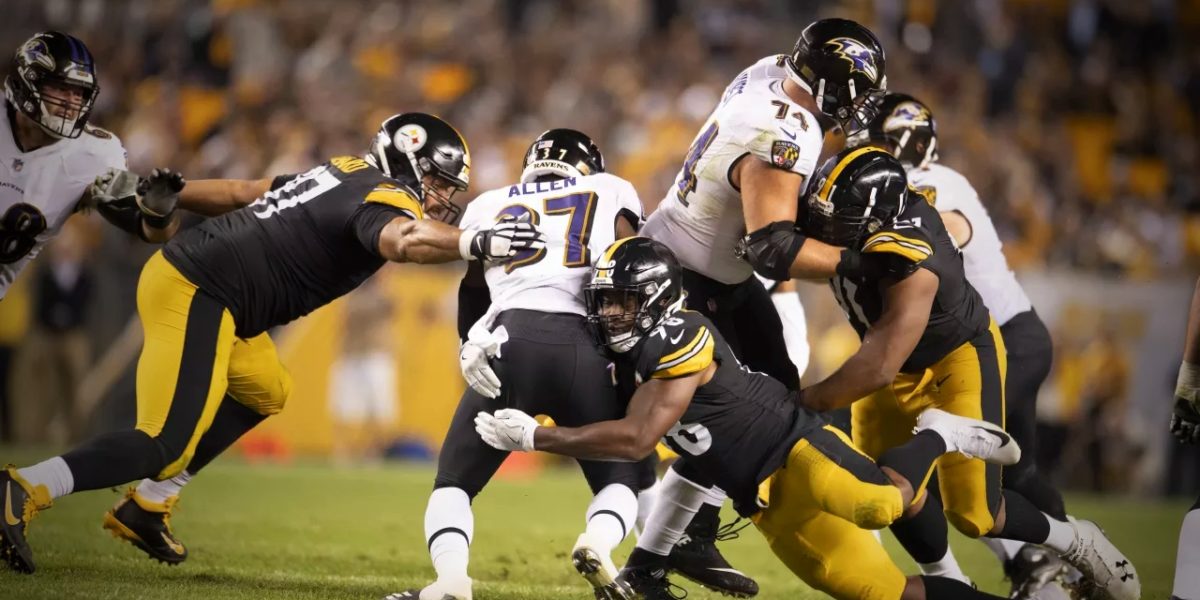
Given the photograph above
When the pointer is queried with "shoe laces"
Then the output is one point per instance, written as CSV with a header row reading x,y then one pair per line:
x,y
731,530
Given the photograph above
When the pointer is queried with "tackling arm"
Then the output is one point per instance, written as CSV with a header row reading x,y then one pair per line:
x,y
887,344
655,407
774,246
214,197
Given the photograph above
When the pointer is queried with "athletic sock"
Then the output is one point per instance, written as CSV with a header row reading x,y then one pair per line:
x,y
925,536
1187,562
159,491
449,526
646,500
678,501
914,459
609,515
1025,523
53,473
1005,550
941,588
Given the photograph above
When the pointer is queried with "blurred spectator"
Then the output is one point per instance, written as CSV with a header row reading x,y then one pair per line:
x,y
14,324
363,387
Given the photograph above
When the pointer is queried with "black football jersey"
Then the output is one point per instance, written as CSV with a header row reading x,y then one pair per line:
x,y
311,239
958,313
739,426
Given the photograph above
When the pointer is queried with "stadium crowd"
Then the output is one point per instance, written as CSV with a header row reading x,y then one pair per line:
x,y
1076,121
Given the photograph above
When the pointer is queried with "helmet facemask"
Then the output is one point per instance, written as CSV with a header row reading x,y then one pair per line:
x,y
622,316
846,226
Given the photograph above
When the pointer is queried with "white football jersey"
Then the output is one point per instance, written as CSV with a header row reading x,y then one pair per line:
x,y
41,188
983,260
701,217
578,217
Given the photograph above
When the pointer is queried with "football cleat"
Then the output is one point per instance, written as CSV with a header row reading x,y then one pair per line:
x,y
442,589
598,569
146,525
650,583
1034,571
22,502
971,437
696,557
1107,574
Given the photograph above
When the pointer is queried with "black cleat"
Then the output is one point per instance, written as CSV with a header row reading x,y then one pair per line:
x,y
146,525
413,594
1033,570
21,503
650,583
696,557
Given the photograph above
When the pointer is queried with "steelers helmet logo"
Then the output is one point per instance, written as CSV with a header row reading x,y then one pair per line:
x,y
854,52
906,115
410,138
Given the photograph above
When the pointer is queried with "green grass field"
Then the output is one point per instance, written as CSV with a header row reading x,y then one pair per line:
x,y
309,531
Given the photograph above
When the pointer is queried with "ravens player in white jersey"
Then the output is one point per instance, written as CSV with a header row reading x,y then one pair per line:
x,y
906,127
732,213
208,371
544,356
50,155
929,341
1185,424
799,479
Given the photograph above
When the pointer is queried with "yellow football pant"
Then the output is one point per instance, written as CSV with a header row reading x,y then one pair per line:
x,y
968,382
190,359
819,507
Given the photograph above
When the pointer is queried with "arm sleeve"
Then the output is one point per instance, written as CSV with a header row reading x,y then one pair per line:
x,y
124,215
474,299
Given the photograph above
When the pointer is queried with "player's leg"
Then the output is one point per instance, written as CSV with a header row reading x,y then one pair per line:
x,y
259,386
181,377
1187,561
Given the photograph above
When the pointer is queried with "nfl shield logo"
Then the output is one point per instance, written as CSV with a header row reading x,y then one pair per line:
x,y
18,164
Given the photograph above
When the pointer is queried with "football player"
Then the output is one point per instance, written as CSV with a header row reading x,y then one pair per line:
x,y
905,127
1185,424
928,340
544,357
50,156
743,173
800,480
208,297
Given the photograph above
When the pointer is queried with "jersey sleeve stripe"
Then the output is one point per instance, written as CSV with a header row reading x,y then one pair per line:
x,y
686,348
396,199
891,236
695,361
915,255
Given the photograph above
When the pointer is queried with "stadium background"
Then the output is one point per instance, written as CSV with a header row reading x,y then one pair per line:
x,y
1075,120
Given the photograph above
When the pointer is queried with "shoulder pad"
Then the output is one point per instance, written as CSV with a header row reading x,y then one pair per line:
x,y
775,130
683,345
904,238
392,193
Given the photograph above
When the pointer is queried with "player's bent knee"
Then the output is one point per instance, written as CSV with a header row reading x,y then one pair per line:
x,y
973,524
874,515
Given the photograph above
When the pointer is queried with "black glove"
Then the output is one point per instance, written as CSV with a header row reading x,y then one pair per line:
x,y
157,196
1185,422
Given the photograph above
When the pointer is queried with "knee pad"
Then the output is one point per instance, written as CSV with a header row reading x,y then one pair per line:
x,y
972,523
874,515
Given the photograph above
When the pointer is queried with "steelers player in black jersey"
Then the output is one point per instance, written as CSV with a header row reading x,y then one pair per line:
x,y
799,479
929,341
280,249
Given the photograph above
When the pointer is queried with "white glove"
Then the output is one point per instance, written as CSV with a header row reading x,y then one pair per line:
x,y
480,346
113,186
509,429
502,241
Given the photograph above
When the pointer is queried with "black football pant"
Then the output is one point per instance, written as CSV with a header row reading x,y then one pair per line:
x,y
550,365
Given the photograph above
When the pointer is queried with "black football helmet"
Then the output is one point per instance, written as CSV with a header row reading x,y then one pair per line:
x,y
905,126
635,285
855,193
837,60
59,60
432,152
562,153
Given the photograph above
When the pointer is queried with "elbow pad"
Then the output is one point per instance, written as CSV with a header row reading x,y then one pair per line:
x,y
772,249
125,215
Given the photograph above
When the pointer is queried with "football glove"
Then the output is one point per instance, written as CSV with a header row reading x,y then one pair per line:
x,y
508,429
1185,419
473,359
157,196
500,242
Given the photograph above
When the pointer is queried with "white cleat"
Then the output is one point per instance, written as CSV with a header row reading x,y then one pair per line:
x,y
598,569
971,437
1107,574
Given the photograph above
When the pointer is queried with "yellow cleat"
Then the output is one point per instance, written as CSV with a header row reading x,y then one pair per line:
x,y
22,502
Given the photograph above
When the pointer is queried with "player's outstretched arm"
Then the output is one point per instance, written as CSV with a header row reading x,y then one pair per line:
x,y
144,207
215,197
1185,422
655,407
426,241
774,246
885,347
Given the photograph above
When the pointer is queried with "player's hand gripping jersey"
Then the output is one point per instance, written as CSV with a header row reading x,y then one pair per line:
x,y
740,426
916,238
311,239
577,216
701,217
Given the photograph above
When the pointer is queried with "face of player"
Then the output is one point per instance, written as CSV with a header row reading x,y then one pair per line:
x,y
439,199
63,100
617,310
